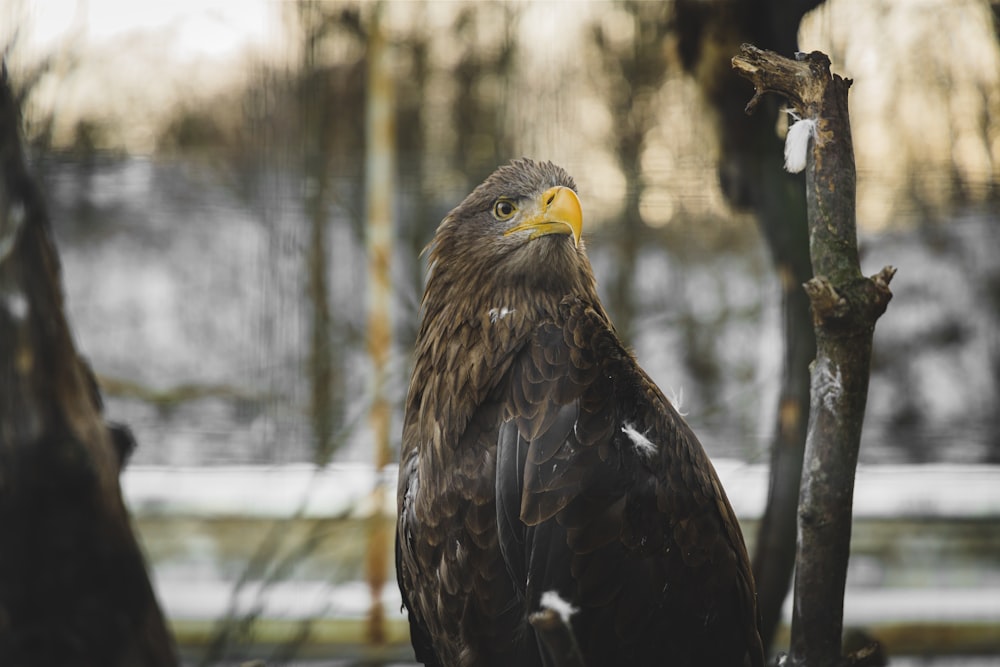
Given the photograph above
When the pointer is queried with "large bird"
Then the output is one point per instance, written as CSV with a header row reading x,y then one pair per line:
x,y
542,468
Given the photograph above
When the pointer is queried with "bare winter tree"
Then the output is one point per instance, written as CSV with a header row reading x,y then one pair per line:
x,y
631,72
845,306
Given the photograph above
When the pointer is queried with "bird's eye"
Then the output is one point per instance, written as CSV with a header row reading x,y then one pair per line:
x,y
504,209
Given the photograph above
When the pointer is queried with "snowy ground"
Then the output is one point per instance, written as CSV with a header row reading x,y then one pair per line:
x,y
196,583
205,528
916,491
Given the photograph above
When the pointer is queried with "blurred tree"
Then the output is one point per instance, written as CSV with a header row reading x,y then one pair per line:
x,y
417,226
845,306
306,121
324,139
314,142
196,129
752,175
473,125
73,583
39,126
486,33
633,66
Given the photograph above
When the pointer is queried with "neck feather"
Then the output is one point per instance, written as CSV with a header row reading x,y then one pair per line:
x,y
476,317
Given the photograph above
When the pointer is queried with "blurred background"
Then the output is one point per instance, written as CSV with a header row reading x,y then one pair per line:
x,y
209,171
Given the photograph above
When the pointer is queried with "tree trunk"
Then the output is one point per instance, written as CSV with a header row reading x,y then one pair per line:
x,y
845,306
752,178
73,583
782,221
323,363
641,63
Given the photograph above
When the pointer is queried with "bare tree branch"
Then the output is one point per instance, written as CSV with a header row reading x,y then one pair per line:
x,y
845,307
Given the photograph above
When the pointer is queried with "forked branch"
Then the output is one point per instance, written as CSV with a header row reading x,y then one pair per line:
x,y
845,307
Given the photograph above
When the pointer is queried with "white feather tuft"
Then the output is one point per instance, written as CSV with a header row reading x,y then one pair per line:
x,y
552,600
797,142
676,399
640,441
497,314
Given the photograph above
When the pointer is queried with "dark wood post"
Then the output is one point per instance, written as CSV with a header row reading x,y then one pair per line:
x,y
845,306
73,583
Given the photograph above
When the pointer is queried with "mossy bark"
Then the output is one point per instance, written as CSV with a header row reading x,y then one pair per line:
x,y
845,306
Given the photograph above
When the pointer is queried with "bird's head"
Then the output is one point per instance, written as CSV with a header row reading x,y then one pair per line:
x,y
505,259
524,221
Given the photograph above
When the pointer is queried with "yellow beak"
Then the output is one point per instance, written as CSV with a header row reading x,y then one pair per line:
x,y
557,211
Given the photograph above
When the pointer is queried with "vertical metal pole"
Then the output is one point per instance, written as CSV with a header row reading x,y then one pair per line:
x,y
380,170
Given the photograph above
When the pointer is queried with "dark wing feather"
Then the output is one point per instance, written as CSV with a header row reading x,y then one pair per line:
x,y
638,535
449,560
419,635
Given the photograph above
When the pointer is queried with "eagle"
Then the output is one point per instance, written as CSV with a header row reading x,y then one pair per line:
x,y
542,469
